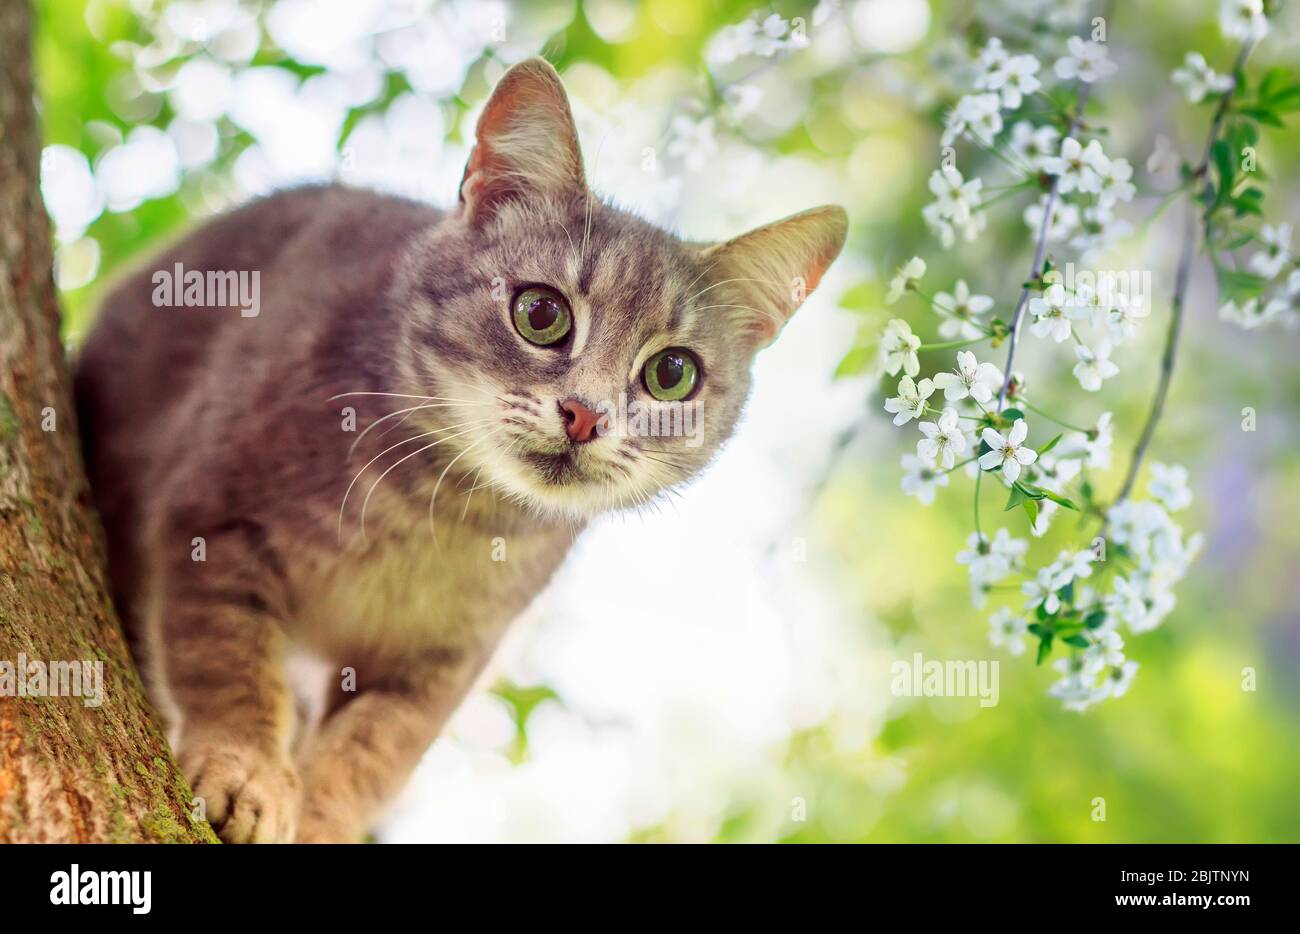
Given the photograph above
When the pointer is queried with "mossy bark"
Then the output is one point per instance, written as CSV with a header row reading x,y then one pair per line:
x,y
68,772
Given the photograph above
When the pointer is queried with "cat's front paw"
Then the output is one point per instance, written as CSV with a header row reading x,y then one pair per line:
x,y
315,827
248,798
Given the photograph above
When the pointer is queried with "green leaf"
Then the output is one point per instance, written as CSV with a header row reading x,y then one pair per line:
x,y
1031,510
1263,115
1094,619
1225,164
1239,285
854,362
861,297
1044,649
1274,79
1060,500
1012,414
1020,493
1051,444
1079,642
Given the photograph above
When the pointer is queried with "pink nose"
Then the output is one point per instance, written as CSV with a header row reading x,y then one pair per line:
x,y
580,422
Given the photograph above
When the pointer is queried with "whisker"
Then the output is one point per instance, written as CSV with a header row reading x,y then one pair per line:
x,y
434,496
769,282
777,319
577,257
390,467
348,492
404,395
415,408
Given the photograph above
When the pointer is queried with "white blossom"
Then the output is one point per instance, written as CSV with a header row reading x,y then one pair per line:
x,y
1075,565
1198,79
1007,630
743,99
943,440
1095,445
1243,19
1126,601
1269,261
920,479
1115,184
1119,679
1094,365
1008,451
1092,303
1051,313
1013,77
1087,61
692,141
1099,227
1077,167
956,197
971,378
898,349
1077,690
1122,319
906,277
977,114
910,402
1065,219
961,309
1168,484
1249,314
1035,144
1106,651
1042,589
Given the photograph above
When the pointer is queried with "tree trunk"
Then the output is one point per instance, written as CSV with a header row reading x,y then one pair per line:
x,y
69,771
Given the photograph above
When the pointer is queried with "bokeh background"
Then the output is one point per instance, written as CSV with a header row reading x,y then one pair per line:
x,y
717,667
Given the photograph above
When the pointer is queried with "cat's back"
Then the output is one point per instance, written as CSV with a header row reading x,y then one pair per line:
x,y
312,263
149,337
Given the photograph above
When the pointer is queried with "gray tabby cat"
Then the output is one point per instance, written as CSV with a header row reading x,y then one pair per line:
x,y
245,521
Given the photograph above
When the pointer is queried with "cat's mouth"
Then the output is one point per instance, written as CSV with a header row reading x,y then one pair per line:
x,y
556,468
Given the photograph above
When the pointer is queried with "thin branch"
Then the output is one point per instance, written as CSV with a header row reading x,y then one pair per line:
x,y
1181,277
1040,250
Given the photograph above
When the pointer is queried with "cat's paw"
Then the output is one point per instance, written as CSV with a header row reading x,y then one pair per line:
x,y
313,827
247,797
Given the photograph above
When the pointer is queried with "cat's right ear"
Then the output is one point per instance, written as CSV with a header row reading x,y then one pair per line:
x,y
526,144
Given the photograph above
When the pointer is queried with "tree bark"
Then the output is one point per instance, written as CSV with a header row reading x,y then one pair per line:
x,y
69,772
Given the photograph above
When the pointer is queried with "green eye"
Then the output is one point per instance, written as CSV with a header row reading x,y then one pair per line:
x,y
671,375
542,315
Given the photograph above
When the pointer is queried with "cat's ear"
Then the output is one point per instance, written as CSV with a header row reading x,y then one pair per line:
x,y
768,272
526,144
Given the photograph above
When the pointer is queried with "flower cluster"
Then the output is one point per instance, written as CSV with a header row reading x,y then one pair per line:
x,y
1278,270
759,36
975,419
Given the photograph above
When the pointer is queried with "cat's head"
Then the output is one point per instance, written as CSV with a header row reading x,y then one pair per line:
x,y
586,358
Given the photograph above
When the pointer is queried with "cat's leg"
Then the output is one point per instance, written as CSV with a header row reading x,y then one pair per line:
x,y
368,746
222,648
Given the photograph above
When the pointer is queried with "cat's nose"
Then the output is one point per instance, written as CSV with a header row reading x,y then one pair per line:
x,y
580,422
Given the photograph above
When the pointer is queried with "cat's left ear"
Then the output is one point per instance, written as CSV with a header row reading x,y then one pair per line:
x,y
772,269
526,144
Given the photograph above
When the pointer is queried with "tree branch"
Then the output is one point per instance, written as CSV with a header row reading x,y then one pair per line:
x,y
1181,277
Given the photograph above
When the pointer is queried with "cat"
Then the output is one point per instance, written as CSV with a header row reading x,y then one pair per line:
x,y
388,462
